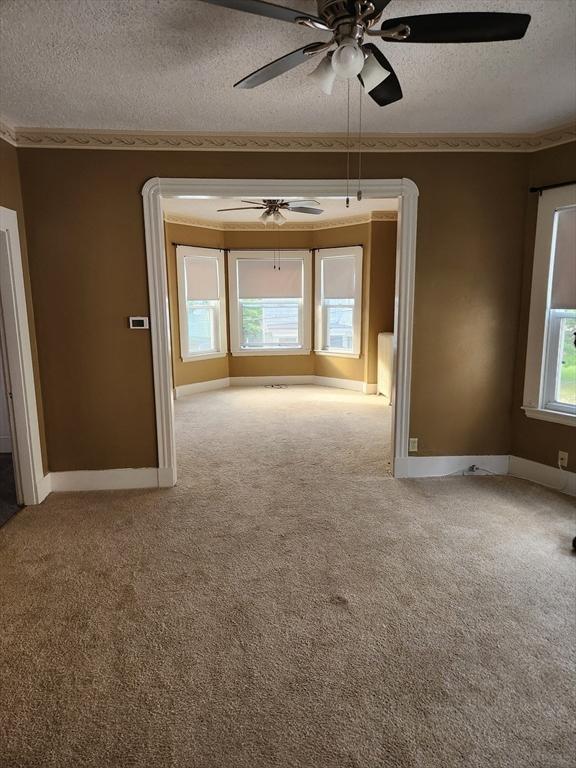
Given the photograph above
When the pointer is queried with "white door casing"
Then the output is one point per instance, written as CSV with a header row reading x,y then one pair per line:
x,y
157,188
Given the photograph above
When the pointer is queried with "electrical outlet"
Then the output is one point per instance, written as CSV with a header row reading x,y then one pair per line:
x,y
413,445
563,459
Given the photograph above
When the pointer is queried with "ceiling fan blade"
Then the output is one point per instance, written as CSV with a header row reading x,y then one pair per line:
x,y
305,209
279,66
271,10
259,203
378,78
245,208
457,27
290,203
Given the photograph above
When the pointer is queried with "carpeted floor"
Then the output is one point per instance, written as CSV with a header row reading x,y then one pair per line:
x,y
288,605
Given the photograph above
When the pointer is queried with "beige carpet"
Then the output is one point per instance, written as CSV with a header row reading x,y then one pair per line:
x,y
289,606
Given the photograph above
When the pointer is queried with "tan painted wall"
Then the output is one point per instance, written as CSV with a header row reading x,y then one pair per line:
x,y
192,372
11,197
88,271
533,439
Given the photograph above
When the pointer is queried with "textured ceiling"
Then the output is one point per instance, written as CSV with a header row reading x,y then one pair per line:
x,y
170,65
333,209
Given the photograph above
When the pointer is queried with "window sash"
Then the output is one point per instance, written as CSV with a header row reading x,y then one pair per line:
x,y
325,306
216,307
542,357
242,346
553,361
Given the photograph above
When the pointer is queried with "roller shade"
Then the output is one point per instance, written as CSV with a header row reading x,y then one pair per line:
x,y
201,278
338,277
563,294
257,278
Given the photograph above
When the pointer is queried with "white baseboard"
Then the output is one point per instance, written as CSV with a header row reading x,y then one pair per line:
x,y
552,477
369,389
200,386
5,444
262,381
104,480
440,466
329,381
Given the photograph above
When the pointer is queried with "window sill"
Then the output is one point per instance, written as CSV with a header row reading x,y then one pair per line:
x,y
544,414
207,356
327,353
267,352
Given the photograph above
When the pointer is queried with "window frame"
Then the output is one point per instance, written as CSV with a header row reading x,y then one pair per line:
x,y
305,307
218,307
544,323
320,347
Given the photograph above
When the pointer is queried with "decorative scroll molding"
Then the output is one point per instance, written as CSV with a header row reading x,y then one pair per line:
x,y
8,134
285,142
257,226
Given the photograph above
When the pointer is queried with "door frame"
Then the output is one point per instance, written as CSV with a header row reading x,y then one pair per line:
x,y
19,370
156,188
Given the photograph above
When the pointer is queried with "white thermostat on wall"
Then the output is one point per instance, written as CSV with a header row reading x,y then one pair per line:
x,y
139,322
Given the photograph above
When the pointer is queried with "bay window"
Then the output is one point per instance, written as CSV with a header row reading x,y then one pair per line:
x,y
550,383
338,301
270,302
201,302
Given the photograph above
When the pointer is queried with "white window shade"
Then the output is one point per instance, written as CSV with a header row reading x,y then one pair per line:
x,y
202,283
258,279
338,277
563,293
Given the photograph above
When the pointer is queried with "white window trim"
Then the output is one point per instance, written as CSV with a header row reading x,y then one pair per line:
x,y
322,253
182,251
306,318
534,404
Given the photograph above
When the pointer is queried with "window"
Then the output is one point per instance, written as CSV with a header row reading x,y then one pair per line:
x,y
202,307
550,385
270,302
338,301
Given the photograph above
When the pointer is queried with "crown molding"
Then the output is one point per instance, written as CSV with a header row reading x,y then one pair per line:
x,y
292,226
8,134
284,142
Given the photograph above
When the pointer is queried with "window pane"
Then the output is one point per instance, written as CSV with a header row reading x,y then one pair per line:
x,y
566,380
200,327
339,326
270,323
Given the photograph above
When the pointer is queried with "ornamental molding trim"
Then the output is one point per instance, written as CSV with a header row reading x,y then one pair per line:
x,y
50,138
292,226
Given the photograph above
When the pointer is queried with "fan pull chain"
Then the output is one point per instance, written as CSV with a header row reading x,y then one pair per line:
x,y
359,192
348,145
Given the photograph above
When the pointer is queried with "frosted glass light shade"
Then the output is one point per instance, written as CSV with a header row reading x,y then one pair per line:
x,y
347,60
324,75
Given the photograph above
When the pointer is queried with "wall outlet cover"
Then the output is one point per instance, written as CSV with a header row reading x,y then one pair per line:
x,y
563,459
413,444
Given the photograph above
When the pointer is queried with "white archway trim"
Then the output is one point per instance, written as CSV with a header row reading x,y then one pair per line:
x,y
32,485
155,189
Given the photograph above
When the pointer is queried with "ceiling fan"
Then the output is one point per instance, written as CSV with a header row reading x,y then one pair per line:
x,y
350,21
271,209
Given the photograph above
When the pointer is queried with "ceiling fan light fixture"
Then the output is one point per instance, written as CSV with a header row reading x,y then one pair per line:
x,y
277,218
347,59
324,75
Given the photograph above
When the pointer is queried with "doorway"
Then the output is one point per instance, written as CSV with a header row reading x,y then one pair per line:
x,y
155,190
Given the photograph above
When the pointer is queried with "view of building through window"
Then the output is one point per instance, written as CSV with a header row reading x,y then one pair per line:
x,y
269,323
339,324
201,326
566,375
